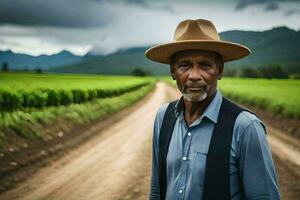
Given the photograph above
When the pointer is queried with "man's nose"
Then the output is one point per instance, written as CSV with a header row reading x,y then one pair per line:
x,y
195,73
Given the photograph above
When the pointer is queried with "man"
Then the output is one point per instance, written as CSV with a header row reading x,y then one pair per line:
x,y
204,146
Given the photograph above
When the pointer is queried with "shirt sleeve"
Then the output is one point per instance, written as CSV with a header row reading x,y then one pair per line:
x,y
256,165
154,184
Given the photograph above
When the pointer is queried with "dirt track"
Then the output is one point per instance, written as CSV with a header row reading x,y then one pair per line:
x,y
116,163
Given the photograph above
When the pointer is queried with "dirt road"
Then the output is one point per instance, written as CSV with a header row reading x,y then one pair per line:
x,y
115,164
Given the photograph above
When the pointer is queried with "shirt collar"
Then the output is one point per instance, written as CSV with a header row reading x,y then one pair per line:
x,y
212,110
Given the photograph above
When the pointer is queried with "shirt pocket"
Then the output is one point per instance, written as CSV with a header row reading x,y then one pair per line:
x,y
199,165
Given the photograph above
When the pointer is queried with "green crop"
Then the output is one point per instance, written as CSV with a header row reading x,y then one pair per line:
x,y
276,95
30,124
22,90
29,102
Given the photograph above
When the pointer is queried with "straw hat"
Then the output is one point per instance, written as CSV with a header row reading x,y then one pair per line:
x,y
197,34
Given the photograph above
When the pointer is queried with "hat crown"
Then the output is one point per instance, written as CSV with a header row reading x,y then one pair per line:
x,y
198,29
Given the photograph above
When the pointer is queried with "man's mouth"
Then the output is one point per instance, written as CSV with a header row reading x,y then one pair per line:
x,y
195,89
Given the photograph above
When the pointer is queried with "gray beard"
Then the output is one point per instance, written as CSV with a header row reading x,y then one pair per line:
x,y
195,98
198,97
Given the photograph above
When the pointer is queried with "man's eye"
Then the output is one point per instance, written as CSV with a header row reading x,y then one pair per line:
x,y
183,66
206,65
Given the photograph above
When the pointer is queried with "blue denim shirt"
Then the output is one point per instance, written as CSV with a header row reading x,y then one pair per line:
x,y
252,173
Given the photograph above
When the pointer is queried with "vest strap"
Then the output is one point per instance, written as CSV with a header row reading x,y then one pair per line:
x,y
164,141
217,172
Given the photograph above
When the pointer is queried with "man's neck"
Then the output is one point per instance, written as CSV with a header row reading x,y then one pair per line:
x,y
193,110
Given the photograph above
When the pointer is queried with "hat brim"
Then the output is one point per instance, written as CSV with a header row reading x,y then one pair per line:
x,y
228,50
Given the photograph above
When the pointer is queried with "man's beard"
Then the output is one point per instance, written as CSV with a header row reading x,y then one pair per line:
x,y
200,93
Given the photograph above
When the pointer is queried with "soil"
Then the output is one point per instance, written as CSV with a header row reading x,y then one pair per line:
x,y
113,159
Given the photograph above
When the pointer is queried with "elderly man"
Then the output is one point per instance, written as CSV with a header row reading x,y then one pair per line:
x,y
204,146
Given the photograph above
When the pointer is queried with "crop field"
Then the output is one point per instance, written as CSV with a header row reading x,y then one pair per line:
x,y
278,96
29,82
20,90
30,101
275,95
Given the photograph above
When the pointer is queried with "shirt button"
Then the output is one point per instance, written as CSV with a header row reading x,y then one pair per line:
x,y
184,158
189,134
180,191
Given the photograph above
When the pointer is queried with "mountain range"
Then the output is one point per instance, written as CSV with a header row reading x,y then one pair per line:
x,y
280,46
19,61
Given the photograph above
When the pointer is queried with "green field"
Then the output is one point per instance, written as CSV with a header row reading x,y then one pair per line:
x,y
109,94
278,96
24,90
31,81
275,95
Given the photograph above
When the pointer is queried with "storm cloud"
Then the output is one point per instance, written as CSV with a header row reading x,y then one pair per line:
x,y
105,26
269,4
68,13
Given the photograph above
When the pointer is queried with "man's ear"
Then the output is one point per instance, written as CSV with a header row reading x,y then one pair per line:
x,y
172,71
221,69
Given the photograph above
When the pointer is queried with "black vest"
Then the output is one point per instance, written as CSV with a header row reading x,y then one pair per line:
x,y
217,181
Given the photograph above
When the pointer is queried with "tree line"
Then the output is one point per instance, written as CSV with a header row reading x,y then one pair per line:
x,y
5,68
268,71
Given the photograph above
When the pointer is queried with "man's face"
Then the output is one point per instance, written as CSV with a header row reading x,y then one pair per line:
x,y
196,73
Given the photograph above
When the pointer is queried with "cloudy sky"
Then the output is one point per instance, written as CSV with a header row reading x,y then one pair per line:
x,y
103,26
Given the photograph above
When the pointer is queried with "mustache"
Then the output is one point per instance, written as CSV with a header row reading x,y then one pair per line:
x,y
195,85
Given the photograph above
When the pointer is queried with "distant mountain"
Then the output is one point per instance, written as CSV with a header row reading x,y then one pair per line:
x,y
279,45
121,62
18,61
276,46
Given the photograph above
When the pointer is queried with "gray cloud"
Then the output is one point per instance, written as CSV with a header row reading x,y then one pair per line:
x,y
143,3
293,11
269,4
244,3
103,25
68,13
10,43
138,2
71,13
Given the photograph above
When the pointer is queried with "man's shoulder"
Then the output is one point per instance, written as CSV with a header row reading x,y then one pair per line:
x,y
161,111
159,119
247,120
160,114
